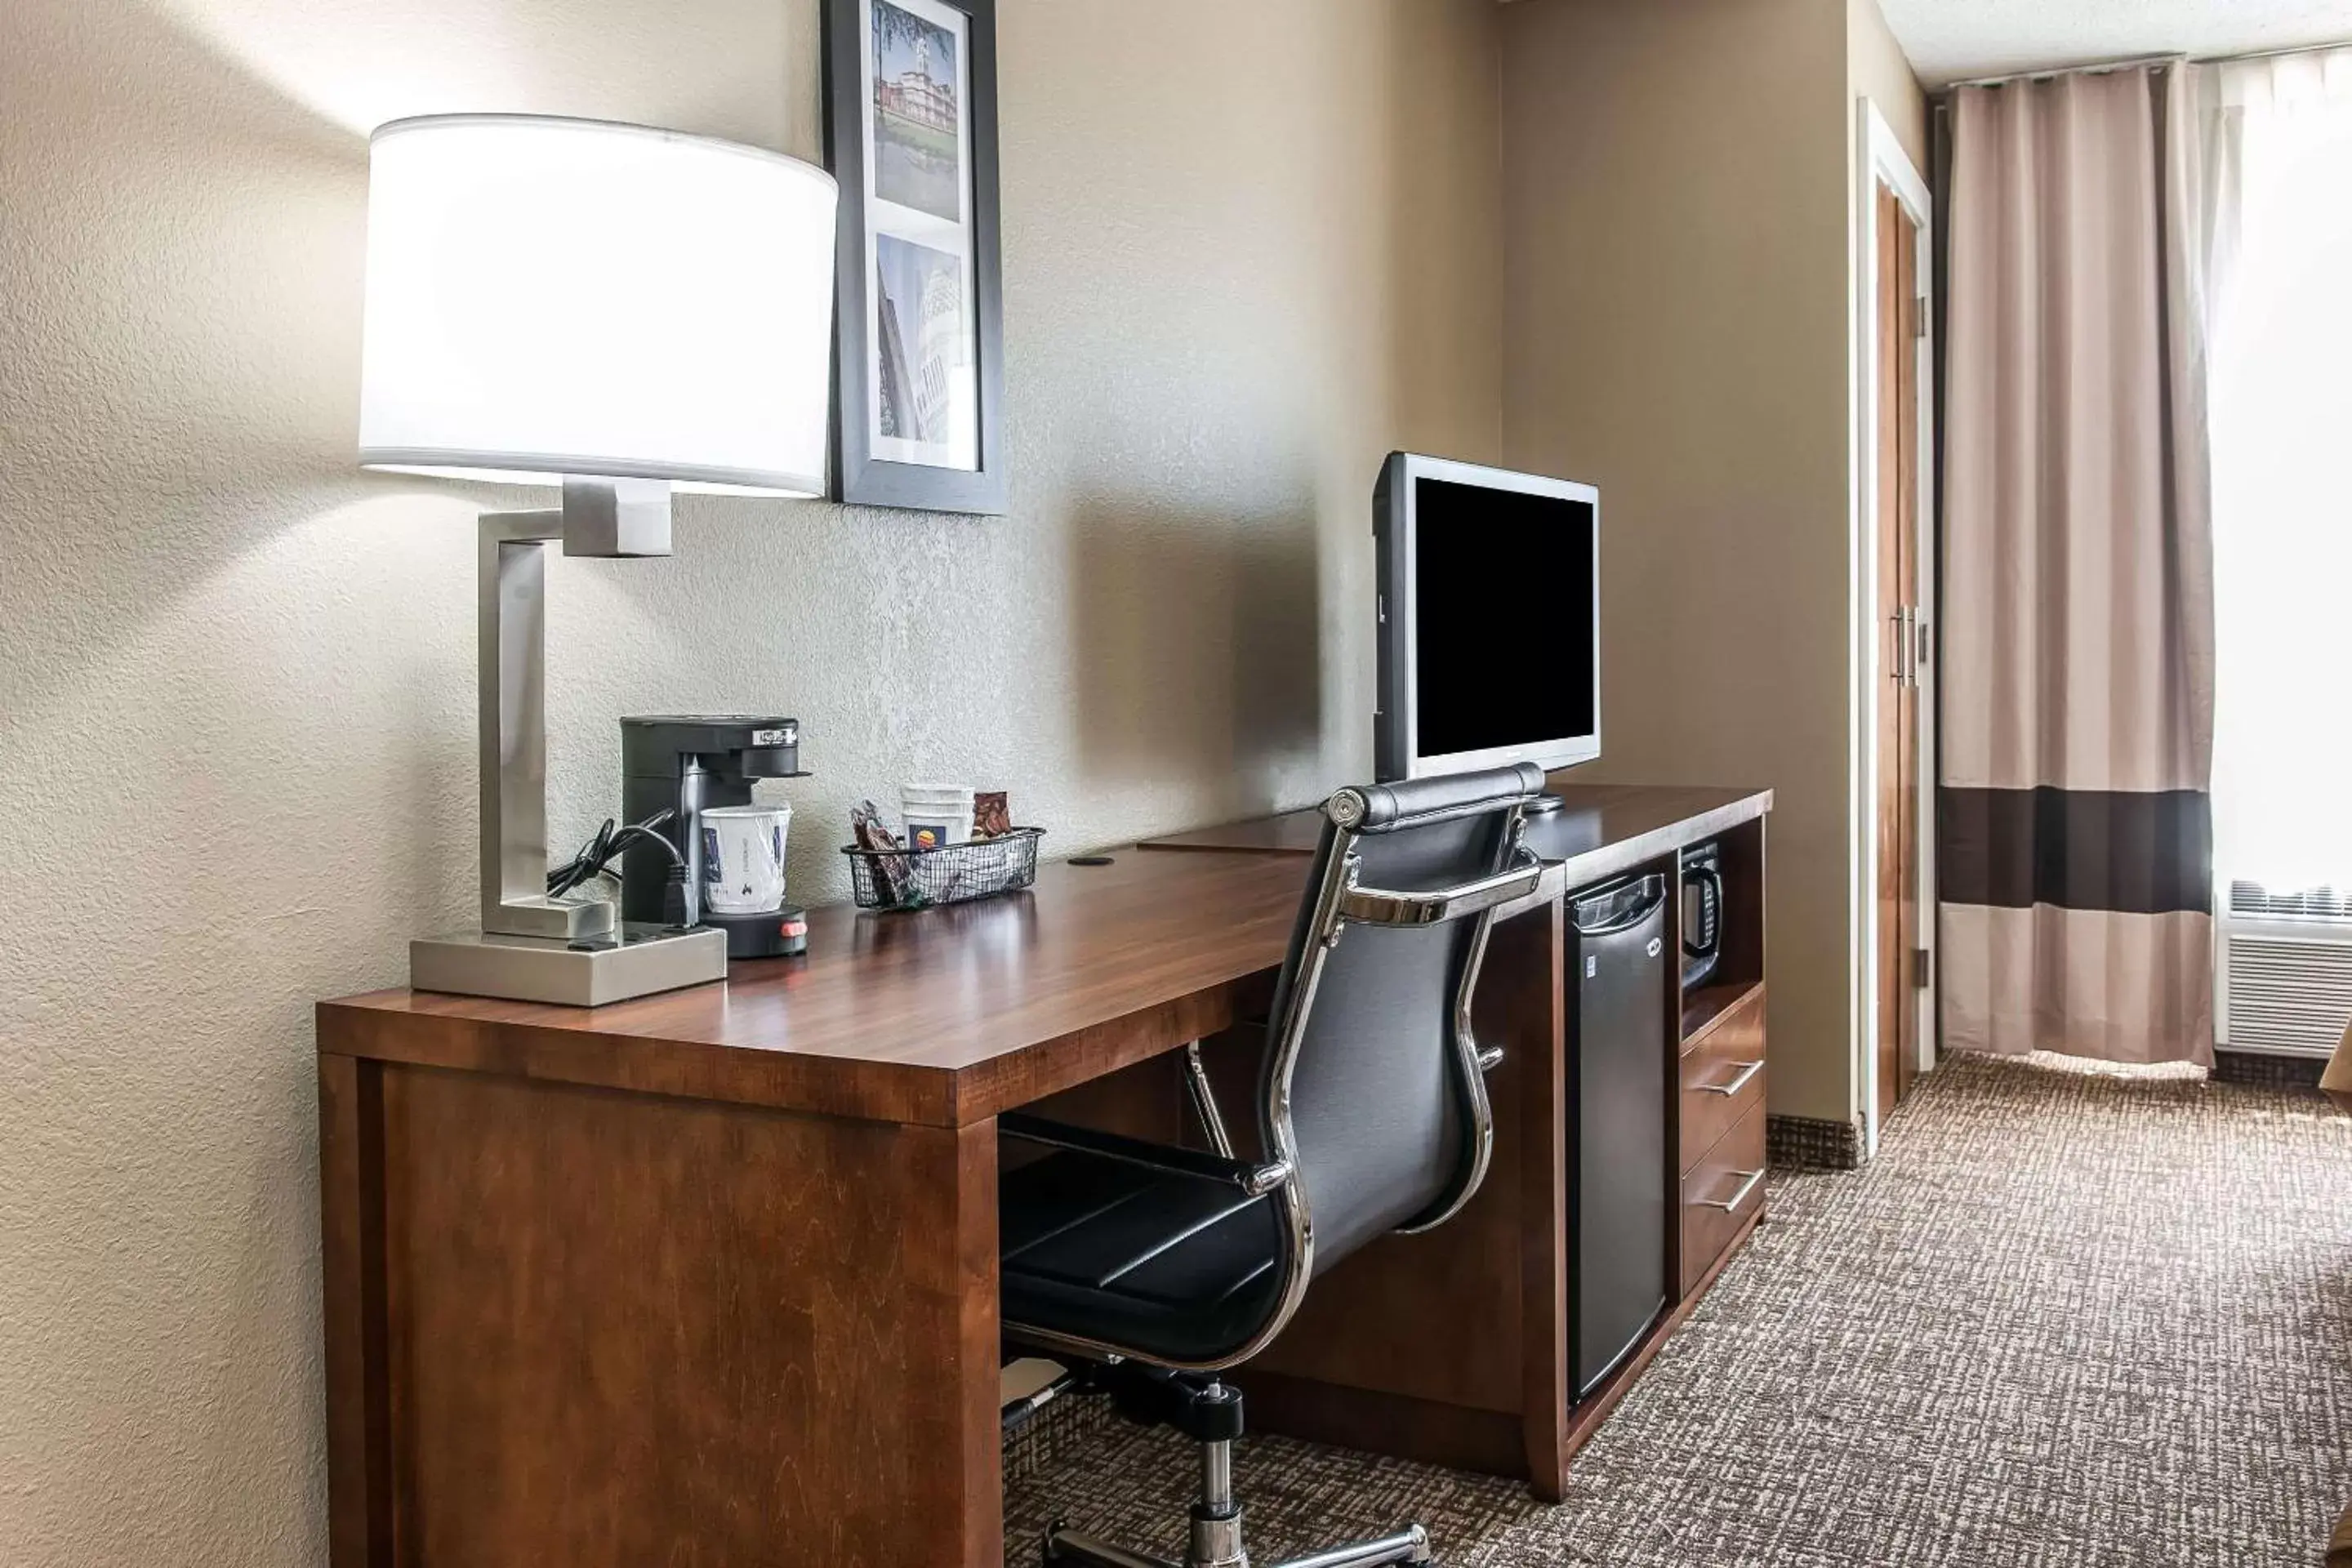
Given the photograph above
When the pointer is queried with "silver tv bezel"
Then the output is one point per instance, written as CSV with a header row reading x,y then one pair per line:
x,y
1545,754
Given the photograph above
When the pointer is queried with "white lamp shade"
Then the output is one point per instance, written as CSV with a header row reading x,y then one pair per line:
x,y
549,297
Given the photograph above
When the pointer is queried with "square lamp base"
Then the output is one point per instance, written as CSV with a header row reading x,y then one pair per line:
x,y
636,960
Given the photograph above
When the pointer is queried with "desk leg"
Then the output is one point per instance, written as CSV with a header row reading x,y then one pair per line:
x,y
603,1330
1532,994
350,1220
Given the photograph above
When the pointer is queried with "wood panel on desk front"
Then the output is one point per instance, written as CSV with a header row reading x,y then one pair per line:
x,y
605,1329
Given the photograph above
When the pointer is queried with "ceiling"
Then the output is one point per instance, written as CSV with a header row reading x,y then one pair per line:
x,y
1952,40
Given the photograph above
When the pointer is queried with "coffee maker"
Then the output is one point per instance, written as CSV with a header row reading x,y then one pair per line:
x,y
690,763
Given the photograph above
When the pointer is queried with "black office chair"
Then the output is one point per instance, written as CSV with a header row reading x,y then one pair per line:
x,y
1163,1266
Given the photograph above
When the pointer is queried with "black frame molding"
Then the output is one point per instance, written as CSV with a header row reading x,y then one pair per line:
x,y
859,477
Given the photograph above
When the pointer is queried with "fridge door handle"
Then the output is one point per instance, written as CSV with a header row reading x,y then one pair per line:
x,y
1650,900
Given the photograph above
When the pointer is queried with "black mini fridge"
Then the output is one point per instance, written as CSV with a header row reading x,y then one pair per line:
x,y
1618,1201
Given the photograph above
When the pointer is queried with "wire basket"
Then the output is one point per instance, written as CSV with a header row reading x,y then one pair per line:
x,y
949,874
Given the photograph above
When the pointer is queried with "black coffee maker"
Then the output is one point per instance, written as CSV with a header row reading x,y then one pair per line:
x,y
690,763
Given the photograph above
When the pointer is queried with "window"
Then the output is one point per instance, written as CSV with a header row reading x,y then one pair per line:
x,y
2281,408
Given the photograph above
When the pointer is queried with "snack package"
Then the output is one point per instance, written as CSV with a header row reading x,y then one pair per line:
x,y
867,827
990,814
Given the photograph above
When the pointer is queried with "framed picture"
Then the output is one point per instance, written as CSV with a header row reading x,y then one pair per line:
x,y
919,373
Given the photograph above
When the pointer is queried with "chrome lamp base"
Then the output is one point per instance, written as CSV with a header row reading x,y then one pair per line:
x,y
636,960
532,947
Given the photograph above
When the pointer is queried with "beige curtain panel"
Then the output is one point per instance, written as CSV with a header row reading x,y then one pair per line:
x,y
2074,820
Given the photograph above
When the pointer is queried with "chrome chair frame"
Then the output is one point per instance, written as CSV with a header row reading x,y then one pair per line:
x,y
1340,899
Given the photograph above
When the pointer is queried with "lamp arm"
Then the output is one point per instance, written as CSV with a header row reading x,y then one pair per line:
x,y
600,517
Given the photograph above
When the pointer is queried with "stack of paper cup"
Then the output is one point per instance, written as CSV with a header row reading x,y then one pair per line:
x,y
936,815
744,857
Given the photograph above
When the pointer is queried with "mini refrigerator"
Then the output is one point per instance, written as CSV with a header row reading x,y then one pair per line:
x,y
1618,1083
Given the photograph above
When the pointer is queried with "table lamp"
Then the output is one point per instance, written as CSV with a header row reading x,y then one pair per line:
x,y
621,311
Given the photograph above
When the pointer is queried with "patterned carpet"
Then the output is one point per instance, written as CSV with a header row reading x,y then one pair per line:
x,y
2069,1317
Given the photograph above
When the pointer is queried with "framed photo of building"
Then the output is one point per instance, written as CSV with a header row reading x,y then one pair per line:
x,y
910,134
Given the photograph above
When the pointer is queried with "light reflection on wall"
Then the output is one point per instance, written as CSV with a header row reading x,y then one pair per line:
x,y
358,63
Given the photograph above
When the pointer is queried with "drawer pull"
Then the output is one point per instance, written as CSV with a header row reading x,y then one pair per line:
x,y
1738,1080
1736,1199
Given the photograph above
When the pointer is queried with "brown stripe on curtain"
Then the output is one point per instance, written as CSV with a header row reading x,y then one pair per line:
x,y
2076,691
2127,851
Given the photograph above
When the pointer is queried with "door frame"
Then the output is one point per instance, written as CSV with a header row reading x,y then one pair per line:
x,y
1881,160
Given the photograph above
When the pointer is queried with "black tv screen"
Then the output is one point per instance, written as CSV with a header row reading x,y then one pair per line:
x,y
1488,618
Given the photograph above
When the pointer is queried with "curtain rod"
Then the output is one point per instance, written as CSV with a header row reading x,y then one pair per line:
x,y
2097,68
2048,73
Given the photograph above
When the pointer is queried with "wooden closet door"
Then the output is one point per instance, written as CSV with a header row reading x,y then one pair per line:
x,y
1898,692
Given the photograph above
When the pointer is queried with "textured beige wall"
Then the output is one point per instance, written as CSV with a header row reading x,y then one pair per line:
x,y
1675,287
1877,70
1249,246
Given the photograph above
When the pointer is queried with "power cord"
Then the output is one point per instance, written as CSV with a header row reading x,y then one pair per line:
x,y
606,847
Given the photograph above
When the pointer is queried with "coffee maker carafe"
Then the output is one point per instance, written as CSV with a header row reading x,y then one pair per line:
x,y
692,763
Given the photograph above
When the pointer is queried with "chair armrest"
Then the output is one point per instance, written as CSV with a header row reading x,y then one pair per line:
x,y
1255,1181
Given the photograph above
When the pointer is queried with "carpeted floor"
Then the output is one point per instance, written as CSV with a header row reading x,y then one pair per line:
x,y
2068,1317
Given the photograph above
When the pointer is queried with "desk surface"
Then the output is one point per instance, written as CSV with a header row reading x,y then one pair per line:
x,y
1600,830
950,1015
944,1016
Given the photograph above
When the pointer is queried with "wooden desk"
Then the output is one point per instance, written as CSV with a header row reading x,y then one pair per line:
x,y
710,1277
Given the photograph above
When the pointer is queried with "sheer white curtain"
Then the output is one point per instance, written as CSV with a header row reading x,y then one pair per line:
x,y
2278,157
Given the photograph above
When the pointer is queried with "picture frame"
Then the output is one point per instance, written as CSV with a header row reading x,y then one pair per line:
x,y
919,329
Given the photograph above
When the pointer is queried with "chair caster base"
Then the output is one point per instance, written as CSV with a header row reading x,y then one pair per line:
x,y
1063,1547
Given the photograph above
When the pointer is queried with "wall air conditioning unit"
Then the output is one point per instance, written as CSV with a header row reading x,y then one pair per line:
x,y
2284,982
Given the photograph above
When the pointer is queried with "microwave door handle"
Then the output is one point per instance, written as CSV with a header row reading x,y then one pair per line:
x,y
1713,926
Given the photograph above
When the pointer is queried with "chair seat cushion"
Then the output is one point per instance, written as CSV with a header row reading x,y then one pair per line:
x,y
1165,1267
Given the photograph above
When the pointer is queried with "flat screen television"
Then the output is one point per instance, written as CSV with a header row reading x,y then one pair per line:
x,y
1490,615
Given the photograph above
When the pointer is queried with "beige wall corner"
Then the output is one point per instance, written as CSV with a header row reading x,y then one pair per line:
x,y
1879,76
1877,70
1676,290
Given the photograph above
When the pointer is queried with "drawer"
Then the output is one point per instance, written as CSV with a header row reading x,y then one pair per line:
x,y
1722,1077
1721,1178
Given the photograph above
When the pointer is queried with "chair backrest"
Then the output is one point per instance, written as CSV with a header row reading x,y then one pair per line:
x,y
1372,1086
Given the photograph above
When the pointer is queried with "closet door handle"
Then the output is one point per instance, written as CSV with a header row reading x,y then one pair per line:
x,y
1738,1080
1736,1199
1910,646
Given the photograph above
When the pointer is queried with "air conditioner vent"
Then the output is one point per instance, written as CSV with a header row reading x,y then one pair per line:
x,y
2286,993
2256,901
